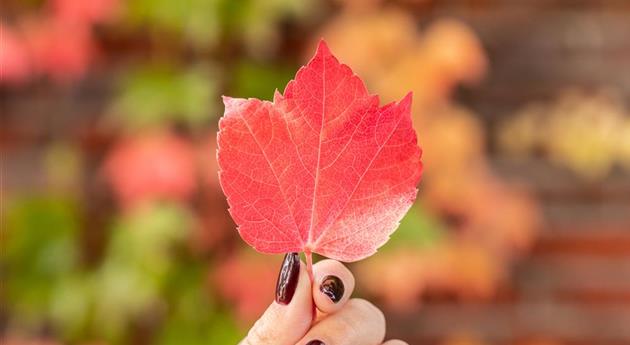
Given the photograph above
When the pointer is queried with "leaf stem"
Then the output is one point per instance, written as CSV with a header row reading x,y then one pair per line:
x,y
309,268
309,265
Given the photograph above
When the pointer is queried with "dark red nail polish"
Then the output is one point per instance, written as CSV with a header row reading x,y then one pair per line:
x,y
288,278
315,342
332,287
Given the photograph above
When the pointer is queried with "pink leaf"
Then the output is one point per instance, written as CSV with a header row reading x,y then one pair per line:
x,y
321,169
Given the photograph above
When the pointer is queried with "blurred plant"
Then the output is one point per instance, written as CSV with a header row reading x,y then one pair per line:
x,y
247,280
253,79
397,266
53,54
153,165
197,21
39,254
63,165
158,95
588,133
139,261
38,45
207,156
202,23
86,12
18,340
384,47
143,276
14,56
256,22
414,266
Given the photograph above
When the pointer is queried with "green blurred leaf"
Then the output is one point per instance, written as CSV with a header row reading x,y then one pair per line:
x,y
194,318
38,249
138,263
256,22
418,228
71,304
256,80
157,95
182,329
197,21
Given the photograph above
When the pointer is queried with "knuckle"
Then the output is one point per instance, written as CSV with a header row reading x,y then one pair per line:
x,y
368,312
358,320
367,309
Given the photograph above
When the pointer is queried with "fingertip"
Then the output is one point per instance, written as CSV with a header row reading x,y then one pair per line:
x,y
333,285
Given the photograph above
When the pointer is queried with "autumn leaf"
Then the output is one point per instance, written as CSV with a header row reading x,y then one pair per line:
x,y
154,165
321,169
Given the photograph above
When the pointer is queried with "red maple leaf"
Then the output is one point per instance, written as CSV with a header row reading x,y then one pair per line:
x,y
321,169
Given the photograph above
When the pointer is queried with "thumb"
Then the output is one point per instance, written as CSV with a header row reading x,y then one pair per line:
x,y
289,317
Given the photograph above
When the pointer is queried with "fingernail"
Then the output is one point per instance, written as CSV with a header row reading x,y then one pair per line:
x,y
315,342
288,278
332,287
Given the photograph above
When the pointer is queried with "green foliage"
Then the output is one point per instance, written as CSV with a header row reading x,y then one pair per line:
x,y
156,95
203,22
255,21
193,318
39,251
256,80
70,304
138,262
142,270
197,21
418,228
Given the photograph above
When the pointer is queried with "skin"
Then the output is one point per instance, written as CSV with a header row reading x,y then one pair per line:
x,y
349,321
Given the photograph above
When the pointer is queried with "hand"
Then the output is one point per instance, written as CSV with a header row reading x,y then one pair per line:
x,y
339,320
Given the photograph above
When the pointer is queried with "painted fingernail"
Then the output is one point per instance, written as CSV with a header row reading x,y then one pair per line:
x,y
288,278
332,287
315,342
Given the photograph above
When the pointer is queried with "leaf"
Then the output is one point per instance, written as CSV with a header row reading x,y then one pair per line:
x,y
321,169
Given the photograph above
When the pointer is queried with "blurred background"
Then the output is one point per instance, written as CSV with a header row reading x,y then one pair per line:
x,y
115,231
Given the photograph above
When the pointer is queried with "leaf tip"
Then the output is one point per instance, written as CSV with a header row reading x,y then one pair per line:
x,y
322,48
277,96
404,105
406,101
227,100
231,102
